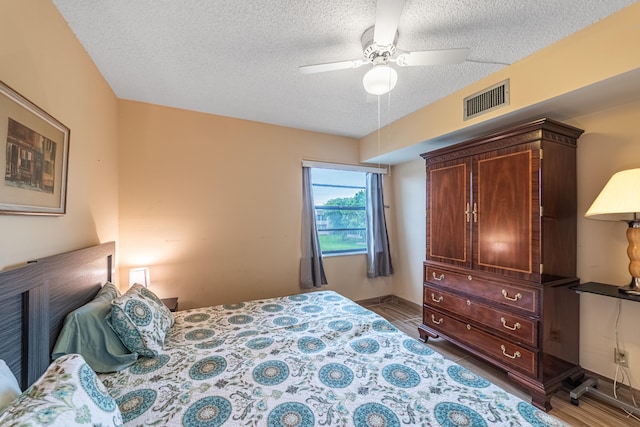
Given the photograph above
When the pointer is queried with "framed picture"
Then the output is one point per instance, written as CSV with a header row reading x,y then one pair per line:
x,y
34,149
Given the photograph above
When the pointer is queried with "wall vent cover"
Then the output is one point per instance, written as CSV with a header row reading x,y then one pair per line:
x,y
486,100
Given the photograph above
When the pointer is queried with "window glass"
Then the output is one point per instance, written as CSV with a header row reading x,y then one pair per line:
x,y
340,199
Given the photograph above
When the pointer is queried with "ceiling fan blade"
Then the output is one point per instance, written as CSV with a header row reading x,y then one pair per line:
x,y
387,17
331,66
432,57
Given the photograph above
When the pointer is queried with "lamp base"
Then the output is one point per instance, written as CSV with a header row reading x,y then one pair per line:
x,y
633,251
633,288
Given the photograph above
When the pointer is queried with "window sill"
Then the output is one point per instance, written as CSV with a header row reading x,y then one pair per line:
x,y
343,254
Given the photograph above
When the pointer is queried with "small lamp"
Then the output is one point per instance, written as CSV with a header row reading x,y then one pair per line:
x,y
619,200
380,79
139,275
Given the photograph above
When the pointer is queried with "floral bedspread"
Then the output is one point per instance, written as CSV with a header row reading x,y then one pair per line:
x,y
305,360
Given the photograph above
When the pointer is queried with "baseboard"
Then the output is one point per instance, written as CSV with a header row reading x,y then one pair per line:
x,y
389,299
409,303
376,300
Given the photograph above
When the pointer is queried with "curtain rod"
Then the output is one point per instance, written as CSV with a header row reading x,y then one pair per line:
x,y
341,166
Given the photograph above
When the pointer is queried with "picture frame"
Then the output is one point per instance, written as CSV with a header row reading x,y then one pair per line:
x,y
34,148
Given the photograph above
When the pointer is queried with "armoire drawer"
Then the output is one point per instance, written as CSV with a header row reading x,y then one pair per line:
x,y
499,350
515,296
519,328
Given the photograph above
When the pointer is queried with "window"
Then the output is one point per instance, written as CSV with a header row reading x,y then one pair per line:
x,y
340,200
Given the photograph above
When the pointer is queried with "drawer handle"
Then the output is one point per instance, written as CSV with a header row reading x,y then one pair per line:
x,y
511,328
515,298
433,298
440,277
433,319
504,352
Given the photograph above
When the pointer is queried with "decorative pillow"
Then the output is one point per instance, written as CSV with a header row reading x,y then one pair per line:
x,y
108,291
68,394
141,320
86,331
9,387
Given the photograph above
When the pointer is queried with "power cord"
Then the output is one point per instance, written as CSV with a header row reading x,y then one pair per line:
x,y
623,371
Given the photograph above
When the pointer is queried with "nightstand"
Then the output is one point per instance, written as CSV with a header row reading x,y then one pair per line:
x,y
171,303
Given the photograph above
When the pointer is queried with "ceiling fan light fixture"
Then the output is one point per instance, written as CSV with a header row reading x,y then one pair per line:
x,y
380,79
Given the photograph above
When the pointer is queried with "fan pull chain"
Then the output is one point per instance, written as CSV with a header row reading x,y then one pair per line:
x,y
389,133
378,103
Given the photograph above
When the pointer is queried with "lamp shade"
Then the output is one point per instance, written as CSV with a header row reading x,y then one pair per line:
x,y
380,79
619,200
140,276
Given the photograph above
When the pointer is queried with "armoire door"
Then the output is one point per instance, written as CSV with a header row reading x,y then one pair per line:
x,y
449,213
507,212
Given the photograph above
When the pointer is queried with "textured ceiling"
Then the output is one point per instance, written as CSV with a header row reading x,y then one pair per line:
x,y
240,58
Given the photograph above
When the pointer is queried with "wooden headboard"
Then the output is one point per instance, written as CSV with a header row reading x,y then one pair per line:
x,y
35,299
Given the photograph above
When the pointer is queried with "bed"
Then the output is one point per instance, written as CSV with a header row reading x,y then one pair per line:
x,y
300,360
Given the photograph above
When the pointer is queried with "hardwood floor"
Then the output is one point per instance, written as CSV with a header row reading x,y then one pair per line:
x,y
406,316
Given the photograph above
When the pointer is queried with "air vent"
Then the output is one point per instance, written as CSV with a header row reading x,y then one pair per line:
x,y
487,100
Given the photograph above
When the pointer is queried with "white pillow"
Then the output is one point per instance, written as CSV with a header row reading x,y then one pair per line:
x,y
9,387
68,394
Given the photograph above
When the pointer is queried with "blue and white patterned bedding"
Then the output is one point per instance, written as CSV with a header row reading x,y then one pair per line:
x,y
305,360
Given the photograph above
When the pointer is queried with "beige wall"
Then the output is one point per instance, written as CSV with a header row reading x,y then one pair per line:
x,y
409,252
42,60
212,205
207,201
610,143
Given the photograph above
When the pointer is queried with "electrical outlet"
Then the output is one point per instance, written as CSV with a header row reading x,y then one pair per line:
x,y
620,357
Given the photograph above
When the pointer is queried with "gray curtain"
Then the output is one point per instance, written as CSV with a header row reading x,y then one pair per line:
x,y
378,254
311,268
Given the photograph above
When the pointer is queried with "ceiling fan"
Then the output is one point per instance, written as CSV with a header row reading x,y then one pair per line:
x,y
379,49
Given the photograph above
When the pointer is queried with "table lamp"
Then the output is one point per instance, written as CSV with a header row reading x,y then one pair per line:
x,y
139,275
619,200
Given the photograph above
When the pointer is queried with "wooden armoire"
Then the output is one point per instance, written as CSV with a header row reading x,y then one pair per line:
x,y
501,253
